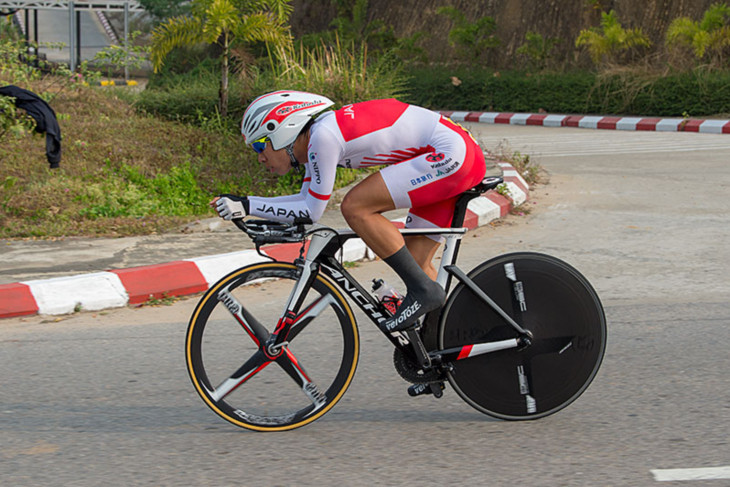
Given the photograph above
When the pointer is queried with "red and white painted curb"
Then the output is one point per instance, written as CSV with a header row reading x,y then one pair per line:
x,y
136,285
595,122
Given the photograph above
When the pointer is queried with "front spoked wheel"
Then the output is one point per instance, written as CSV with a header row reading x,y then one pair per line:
x,y
263,391
551,300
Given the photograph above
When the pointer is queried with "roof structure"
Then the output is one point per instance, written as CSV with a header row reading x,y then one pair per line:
x,y
104,5
73,7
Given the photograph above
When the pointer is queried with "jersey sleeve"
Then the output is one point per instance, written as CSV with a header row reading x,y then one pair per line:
x,y
319,180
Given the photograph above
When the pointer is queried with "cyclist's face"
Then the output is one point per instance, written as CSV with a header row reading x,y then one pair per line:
x,y
276,161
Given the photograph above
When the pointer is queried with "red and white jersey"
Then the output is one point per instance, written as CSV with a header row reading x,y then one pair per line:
x,y
372,133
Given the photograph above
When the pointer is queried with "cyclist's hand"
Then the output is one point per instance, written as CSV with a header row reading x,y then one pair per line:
x,y
230,206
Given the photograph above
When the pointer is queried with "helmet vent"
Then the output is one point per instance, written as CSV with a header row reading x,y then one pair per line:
x,y
270,126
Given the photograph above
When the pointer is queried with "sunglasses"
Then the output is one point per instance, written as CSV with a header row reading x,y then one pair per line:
x,y
259,145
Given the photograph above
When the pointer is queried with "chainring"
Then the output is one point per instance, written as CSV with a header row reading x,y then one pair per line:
x,y
411,371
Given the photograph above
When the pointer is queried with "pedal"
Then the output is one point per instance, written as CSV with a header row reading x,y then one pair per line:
x,y
435,388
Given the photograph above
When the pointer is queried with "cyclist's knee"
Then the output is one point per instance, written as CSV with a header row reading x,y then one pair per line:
x,y
351,208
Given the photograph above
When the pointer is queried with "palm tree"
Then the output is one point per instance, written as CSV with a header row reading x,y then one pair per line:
x,y
611,39
710,36
223,22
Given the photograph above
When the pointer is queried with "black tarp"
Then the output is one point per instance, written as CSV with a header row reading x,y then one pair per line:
x,y
44,116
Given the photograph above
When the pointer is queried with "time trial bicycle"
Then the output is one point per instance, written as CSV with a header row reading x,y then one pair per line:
x,y
519,337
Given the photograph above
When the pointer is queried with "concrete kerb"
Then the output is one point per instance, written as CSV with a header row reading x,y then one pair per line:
x,y
135,285
595,122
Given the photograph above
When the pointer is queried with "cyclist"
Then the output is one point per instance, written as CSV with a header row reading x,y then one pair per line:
x,y
428,162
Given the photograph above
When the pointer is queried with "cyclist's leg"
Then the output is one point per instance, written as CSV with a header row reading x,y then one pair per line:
x,y
362,209
423,250
424,247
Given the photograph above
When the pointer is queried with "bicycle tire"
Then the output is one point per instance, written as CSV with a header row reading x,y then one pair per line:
x,y
325,350
565,316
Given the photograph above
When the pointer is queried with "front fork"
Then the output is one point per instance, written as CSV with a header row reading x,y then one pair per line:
x,y
277,340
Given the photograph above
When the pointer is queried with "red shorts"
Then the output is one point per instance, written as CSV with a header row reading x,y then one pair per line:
x,y
430,184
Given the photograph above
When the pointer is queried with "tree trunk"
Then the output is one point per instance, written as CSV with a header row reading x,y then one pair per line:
x,y
223,92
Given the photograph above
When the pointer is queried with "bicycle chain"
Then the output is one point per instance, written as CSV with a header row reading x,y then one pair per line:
x,y
411,371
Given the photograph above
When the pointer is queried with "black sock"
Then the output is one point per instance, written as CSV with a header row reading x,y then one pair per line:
x,y
423,294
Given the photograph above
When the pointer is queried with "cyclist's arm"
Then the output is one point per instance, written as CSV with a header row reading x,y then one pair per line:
x,y
282,208
290,197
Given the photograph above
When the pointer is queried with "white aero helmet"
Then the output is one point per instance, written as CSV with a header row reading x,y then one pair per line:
x,y
281,116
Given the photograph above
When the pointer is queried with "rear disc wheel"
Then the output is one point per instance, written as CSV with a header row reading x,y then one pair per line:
x,y
561,310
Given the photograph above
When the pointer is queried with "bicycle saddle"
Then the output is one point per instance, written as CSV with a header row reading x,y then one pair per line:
x,y
489,182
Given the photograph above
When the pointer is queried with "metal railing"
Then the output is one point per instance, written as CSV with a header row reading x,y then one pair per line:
x,y
74,7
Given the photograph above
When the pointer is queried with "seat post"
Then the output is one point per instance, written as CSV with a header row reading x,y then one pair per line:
x,y
460,207
461,204
457,222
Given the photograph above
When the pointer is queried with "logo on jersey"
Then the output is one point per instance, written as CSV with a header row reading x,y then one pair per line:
x,y
437,157
445,162
421,180
449,169
315,169
282,212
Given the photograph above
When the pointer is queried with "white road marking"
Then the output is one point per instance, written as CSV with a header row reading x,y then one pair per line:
x,y
675,474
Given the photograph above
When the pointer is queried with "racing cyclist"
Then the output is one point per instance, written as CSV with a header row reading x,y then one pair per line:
x,y
427,162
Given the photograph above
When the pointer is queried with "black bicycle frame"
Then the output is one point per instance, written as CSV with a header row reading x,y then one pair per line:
x,y
321,257
332,268
410,342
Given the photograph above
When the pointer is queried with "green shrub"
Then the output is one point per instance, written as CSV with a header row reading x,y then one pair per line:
x,y
184,97
11,121
612,43
708,39
471,39
537,50
700,92
488,90
345,75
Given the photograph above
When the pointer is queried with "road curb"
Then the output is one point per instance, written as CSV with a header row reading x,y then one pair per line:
x,y
595,122
136,285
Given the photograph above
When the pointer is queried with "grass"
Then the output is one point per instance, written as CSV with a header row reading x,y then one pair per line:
x,y
165,300
122,172
532,172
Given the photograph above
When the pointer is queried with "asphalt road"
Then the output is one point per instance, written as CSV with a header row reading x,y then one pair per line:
x,y
104,398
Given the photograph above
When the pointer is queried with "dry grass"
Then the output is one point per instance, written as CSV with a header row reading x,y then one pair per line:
x,y
532,172
121,172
